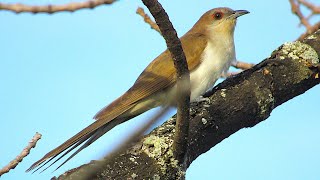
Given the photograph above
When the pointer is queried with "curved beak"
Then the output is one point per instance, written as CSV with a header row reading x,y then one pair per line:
x,y
239,13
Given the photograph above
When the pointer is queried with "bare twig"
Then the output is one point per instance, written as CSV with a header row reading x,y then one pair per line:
x,y
242,65
313,29
295,6
229,74
147,19
23,154
183,77
315,9
71,7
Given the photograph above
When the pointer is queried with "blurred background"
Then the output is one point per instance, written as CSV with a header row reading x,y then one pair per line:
x,y
57,71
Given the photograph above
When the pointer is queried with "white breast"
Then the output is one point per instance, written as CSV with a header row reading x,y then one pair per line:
x,y
215,60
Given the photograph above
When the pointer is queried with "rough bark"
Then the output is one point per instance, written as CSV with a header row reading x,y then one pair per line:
x,y
239,102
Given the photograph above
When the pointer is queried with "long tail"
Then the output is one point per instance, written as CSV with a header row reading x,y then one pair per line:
x,y
87,136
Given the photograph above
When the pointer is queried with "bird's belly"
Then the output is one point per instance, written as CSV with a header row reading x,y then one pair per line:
x,y
209,71
201,81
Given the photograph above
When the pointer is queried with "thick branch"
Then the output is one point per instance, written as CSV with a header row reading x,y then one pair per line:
x,y
71,7
239,102
183,78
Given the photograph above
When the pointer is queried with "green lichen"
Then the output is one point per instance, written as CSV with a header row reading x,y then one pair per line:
x,y
223,93
156,177
311,37
204,121
158,145
158,148
134,176
265,101
297,51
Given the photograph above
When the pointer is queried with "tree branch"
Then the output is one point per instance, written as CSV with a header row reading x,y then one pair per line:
x,y
183,77
295,7
315,9
71,7
25,152
147,19
313,29
239,102
243,65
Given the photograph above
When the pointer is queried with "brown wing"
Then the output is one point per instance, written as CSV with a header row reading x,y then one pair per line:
x,y
158,75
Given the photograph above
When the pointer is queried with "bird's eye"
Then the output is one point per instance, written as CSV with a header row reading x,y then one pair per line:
x,y
218,15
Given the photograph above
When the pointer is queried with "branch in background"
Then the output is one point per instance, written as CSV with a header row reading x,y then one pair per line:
x,y
314,28
242,65
229,74
314,9
183,78
71,7
22,155
148,20
238,65
295,7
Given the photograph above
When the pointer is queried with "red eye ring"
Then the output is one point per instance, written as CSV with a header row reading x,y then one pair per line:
x,y
218,15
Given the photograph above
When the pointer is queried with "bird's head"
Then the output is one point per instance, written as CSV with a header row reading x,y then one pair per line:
x,y
218,20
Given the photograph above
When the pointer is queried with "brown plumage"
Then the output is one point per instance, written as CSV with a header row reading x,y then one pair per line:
x,y
154,87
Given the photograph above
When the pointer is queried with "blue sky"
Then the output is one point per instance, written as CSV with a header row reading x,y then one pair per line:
x,y
57,71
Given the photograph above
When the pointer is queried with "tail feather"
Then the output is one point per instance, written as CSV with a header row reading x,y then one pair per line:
x,y
87,135
112,117
56,152
65,153
96,135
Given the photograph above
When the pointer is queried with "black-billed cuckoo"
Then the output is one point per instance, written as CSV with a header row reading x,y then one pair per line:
x,y
209,49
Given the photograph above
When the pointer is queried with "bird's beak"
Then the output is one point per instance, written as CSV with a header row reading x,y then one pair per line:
x,y
239,13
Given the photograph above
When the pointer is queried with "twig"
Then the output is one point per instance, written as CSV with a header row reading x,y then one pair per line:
x,y
23,154
71,7
242,65
315,9
147,19
295,6
183,77
313,29
296,10
229,74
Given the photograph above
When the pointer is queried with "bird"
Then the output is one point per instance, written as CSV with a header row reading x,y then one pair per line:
x,y
209,49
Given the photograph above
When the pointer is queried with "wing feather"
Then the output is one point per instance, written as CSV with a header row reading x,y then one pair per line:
x,y
158,75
